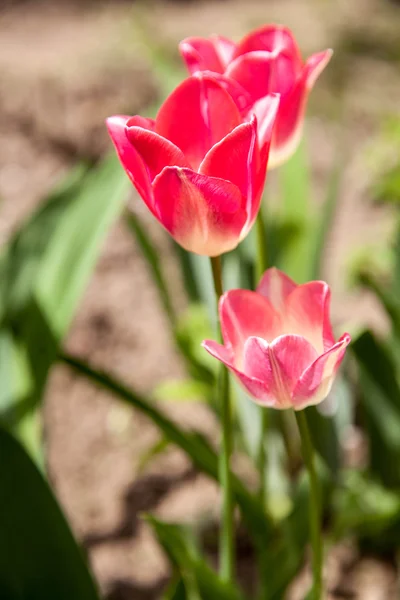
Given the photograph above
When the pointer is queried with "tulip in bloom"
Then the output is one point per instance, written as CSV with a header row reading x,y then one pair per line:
x,y
199,168
278,341
266,61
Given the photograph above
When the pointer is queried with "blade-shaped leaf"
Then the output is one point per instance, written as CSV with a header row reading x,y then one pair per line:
x,y
295,212
326,217
39,558
76,241
193,444
175,541
47,267
380,395
152,258
362,506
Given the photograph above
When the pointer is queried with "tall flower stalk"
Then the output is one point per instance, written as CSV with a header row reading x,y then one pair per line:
x,y
314,504
227,527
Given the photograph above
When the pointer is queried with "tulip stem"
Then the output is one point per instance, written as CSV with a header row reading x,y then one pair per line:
x,y
314,504
261,267
227,530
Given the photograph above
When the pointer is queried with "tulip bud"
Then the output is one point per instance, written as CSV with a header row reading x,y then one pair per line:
x,y
278,341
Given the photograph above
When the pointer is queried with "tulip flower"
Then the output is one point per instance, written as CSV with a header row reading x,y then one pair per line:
x,y
266,61
198,167
278,341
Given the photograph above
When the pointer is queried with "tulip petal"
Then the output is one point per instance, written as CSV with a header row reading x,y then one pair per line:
x,y
254,387
156,151
307,314
201,54
314,66
276,287
289,125
204,214
236,158
253,72
266,111
143,122
279,364
316,381
130,159
225,48
244,314
197,115
272,38
291,355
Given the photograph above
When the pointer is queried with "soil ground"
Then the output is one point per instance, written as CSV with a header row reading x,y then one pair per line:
x,y
65,67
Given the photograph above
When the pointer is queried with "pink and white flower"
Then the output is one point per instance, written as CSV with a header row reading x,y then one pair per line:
x,y
265,61
198,167
278,341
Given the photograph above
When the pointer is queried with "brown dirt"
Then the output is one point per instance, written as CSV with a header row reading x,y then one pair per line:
x,y
84,63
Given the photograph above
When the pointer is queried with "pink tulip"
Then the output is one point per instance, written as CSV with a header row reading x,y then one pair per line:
x,y
266,61
278,341
199,168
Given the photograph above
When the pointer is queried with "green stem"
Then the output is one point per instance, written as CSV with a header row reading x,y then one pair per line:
x,y
314,504
262,265
262,457
227,529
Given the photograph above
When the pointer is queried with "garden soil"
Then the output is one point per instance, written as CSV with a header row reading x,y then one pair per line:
x,y
65,67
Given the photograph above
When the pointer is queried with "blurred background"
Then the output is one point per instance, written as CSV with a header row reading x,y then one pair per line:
x,y
67,65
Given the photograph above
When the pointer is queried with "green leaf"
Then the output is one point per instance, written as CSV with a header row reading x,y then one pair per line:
x,y
152,258
182,390
380,396
193,444
155,450
22,256
249,418
75,244
39,558
326,217
363,507
179,548
176,590
193,327
294,179
47,266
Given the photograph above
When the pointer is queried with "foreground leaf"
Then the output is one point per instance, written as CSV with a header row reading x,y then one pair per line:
x,y
39,558
193,444
175,541
380,395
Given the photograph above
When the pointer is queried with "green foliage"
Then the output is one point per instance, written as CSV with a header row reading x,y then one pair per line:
x,y
200,581
39,558
45,269
380,395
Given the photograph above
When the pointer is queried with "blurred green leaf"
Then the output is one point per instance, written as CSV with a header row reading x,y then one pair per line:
x,y
363,506
182,390
387,188
75,244
283,555
193,327
153,261
325,219
39,558
151,453
176,590
21,258
249,418
176,542
46,268
294,177
193,444
380,395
